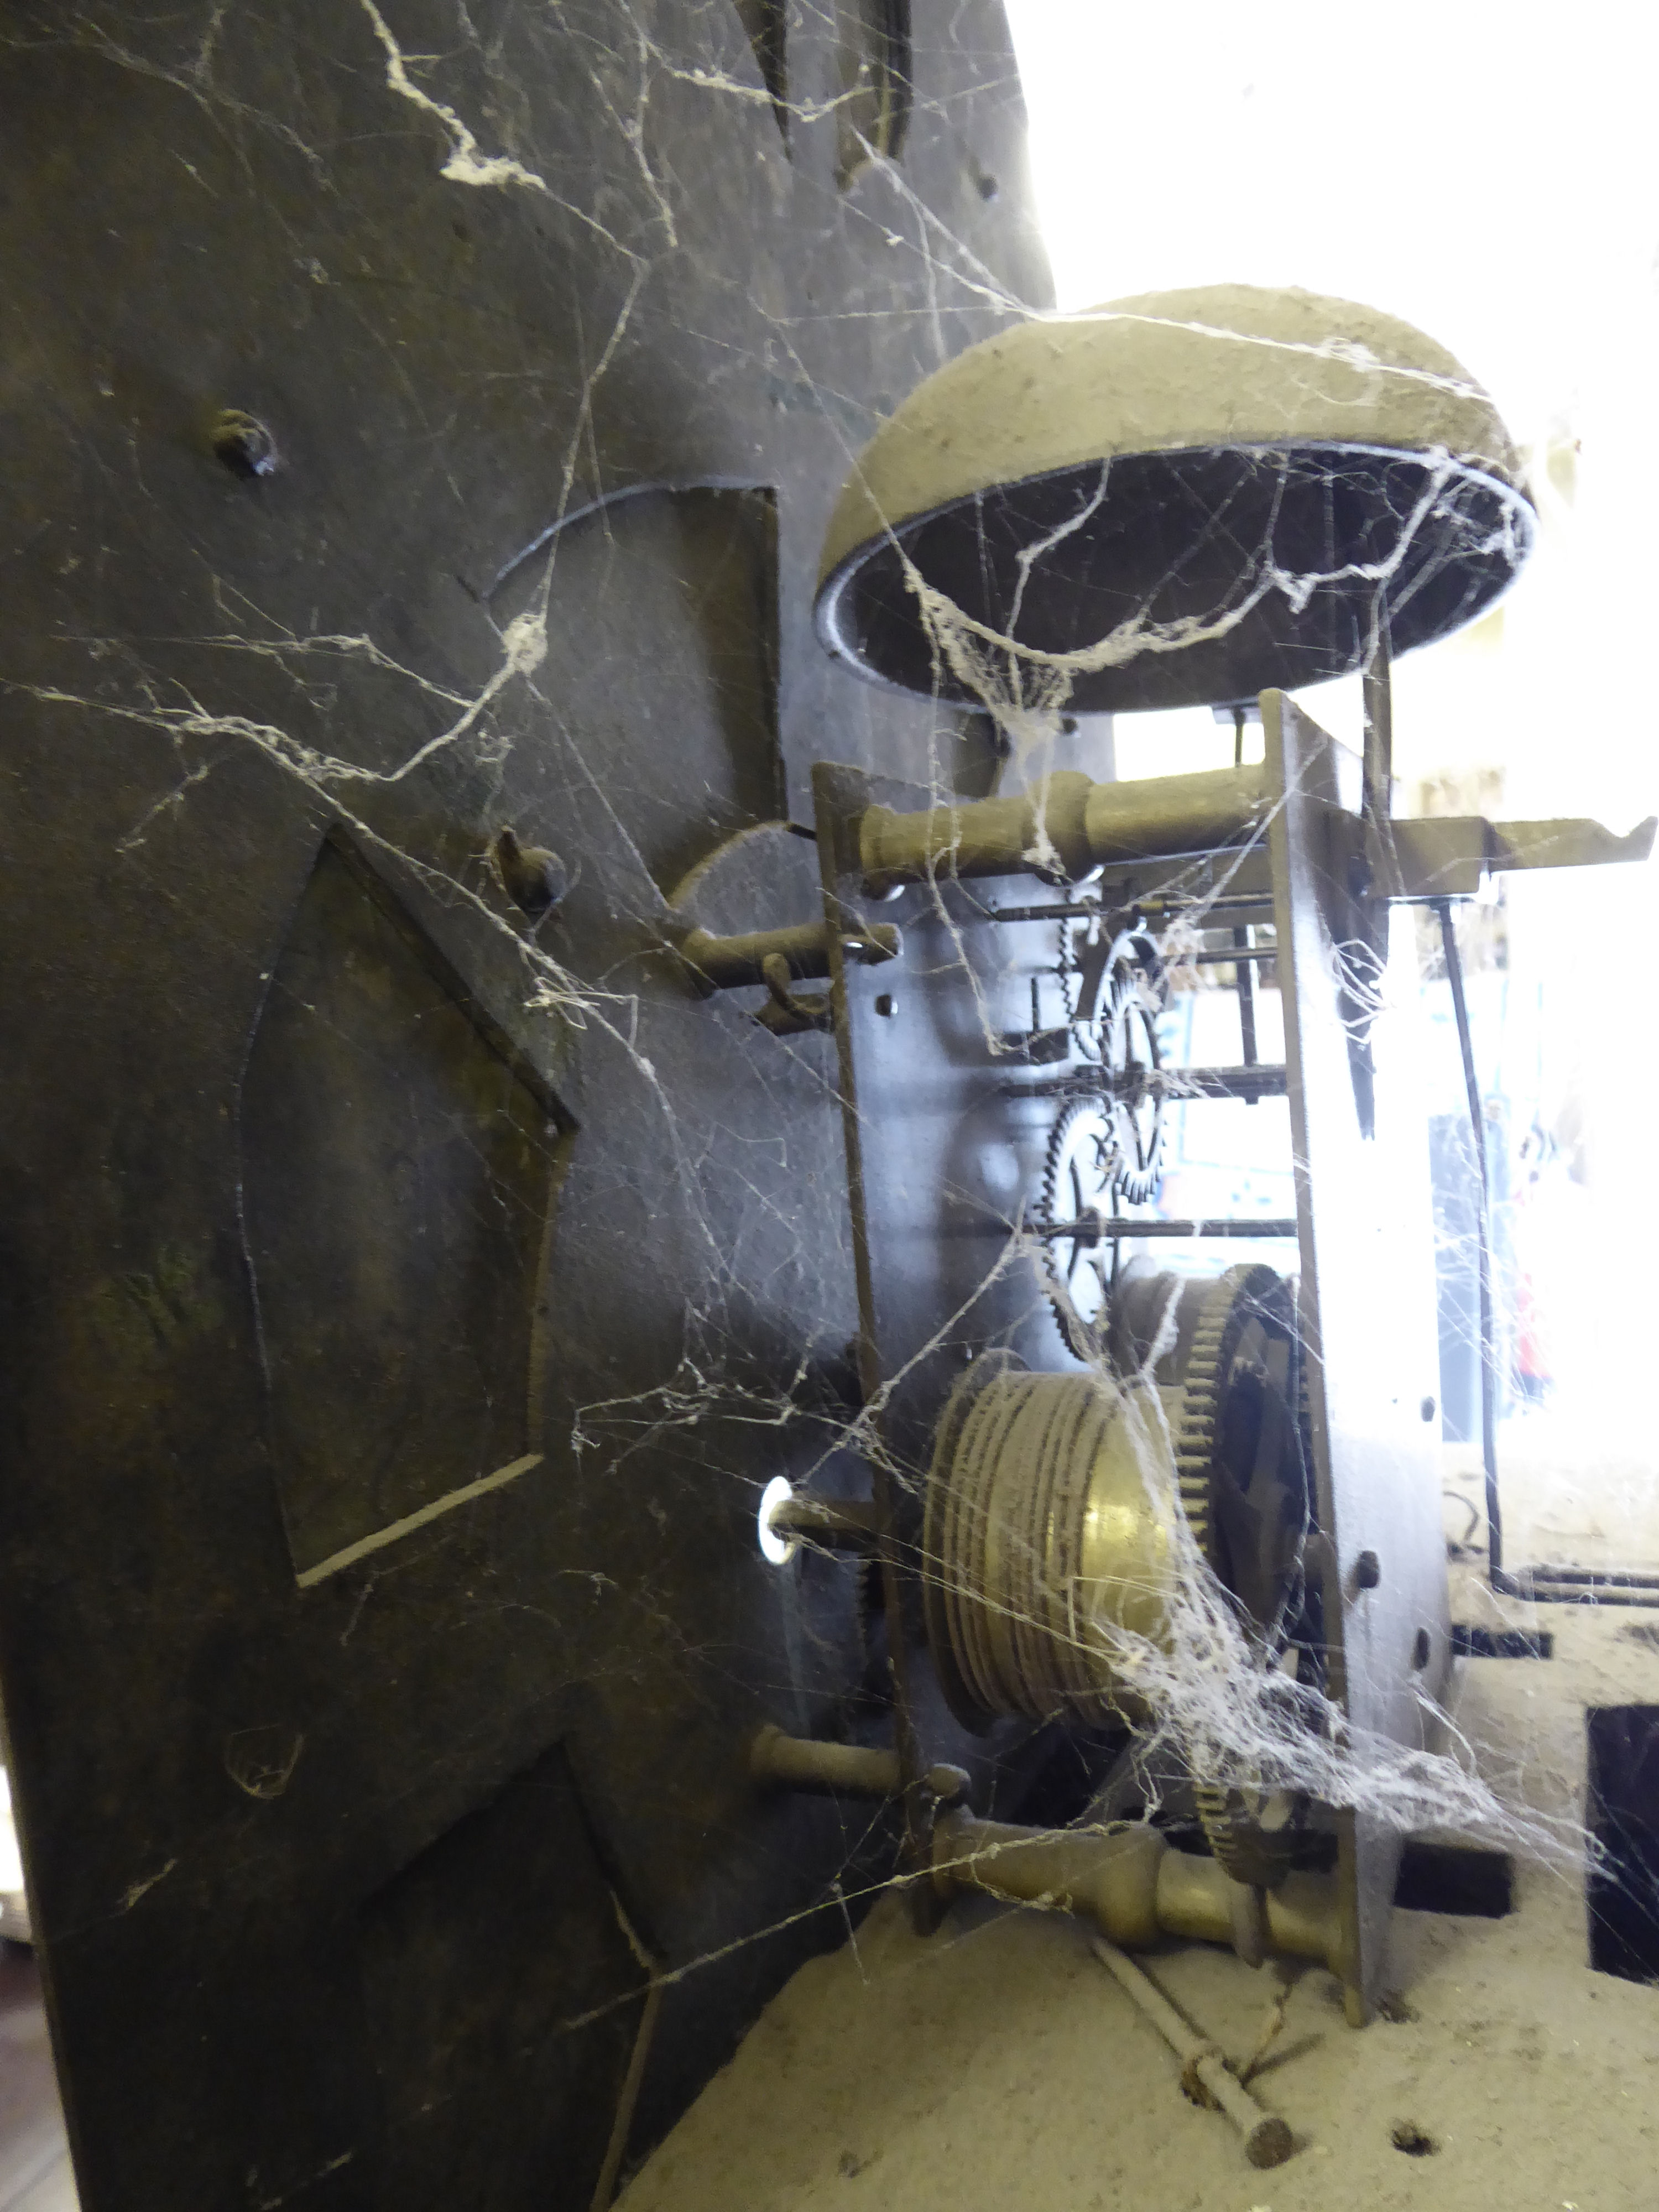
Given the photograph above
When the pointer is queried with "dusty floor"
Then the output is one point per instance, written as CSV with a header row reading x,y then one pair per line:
x,y
996,2064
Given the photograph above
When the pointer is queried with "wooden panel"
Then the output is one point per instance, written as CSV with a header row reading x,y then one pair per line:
x,y
500,1962
400,1164
563,359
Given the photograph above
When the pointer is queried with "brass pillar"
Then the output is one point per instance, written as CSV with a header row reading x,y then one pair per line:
x,y
1063,829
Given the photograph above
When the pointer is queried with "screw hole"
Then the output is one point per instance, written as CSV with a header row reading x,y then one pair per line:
x,y
886,1004
1428,1409
1421,1648
1367,1571
244,444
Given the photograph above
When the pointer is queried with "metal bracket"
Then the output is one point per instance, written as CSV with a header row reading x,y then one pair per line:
x,y
794,1762
1448,856
777,959
786,1013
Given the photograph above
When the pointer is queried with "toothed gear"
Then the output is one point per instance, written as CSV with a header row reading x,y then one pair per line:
x,y
1077,1186
1246,1328
1120,997
1195,1435
1253,1835
1107,1145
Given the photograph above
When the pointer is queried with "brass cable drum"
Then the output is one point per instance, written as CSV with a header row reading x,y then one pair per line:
x,y
1054,1512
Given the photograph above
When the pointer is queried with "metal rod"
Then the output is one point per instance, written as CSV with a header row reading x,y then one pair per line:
x,y
839,1527
1377,694
1225,956
1267,2138
1227,903
1061,910
1102,1230
1483,1243
1244,984
794,1762
725,964
1612,1577
1087,909
1254,1080
1172,1084
851,1769
1561,1594
1387,880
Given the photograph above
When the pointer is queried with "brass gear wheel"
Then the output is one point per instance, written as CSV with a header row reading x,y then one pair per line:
x,y
1254,1833
1245,1519
1106,1147
1077,1186
1120,997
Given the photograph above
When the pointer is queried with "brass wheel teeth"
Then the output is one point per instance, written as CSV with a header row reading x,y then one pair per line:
x,y
1200,1401
1133,1184
1075,1110
1081,1341
1242,1846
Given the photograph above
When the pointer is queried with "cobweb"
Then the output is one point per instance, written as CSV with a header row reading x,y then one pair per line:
x,y
1217,1709
1213,1708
